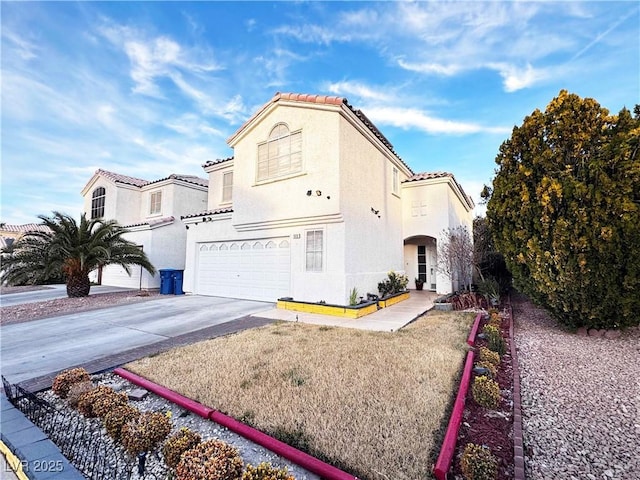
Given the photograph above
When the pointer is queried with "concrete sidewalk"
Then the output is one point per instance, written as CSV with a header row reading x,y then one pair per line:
x,y
385,320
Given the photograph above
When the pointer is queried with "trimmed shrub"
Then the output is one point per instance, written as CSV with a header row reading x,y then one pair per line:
x,y
486,392
211,460
77,390
487,355
395,283
87,400
177,444
64,380
477,463
494,339
265,471
105,403
145,433
118,418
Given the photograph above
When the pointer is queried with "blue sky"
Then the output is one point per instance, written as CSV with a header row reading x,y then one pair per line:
x,y
148,89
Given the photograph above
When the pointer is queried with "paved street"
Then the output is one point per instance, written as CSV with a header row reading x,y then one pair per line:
x,y
40,347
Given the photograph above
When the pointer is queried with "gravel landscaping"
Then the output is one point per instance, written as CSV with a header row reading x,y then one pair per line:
x,y
580,399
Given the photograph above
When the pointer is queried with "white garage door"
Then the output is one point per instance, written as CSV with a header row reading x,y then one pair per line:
x,y
255,269
116,276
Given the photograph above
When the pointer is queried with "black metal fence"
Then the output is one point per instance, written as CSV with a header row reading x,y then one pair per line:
x,y
83,441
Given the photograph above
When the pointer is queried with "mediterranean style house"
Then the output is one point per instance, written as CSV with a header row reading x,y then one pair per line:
x,y
151,211
314,202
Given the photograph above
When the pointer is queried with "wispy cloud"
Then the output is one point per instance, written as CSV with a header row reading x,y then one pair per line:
x,y
601,36
411,118
359,90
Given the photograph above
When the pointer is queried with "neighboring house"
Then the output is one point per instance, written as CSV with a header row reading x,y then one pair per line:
x,y
315,202
11,233
151,211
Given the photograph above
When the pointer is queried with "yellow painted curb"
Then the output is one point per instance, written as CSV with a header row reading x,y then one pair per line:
x,y
394,300
14,462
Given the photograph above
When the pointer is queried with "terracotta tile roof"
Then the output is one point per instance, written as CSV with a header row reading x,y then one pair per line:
x,y
203,182
216,162
208,213
153,223
326,100
118,178
27,227
139,182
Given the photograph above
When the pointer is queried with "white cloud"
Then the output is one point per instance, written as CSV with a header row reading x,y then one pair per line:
x,y
359,90
409,118
518,78
25,49
431,68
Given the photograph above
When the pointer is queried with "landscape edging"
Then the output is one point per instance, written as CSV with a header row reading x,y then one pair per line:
x,y
447,450
518,441
314,465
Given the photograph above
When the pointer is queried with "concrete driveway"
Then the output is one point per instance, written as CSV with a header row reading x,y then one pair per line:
x,y
41,347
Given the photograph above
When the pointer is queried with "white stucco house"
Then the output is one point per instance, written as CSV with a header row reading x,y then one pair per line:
x,y
151,211
314,202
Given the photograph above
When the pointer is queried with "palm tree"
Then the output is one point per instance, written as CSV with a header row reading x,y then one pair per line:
x,y
70,249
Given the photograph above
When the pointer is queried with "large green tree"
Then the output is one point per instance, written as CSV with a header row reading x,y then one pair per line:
x,y
71,249
565,211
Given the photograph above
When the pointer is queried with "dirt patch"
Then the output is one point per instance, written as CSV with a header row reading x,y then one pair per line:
x,y
27,312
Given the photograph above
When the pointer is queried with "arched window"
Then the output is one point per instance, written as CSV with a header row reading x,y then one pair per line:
x,y
281,154
97,202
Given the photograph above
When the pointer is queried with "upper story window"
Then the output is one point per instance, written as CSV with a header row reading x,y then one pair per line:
x,y
395,185
155,202
97,202
281,155
227,186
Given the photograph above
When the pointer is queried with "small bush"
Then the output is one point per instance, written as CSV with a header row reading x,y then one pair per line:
x,y
177,444
395,283
64,380
211,460
87,400
265,471
118,418
477,463
487,355
105,403
145,433
77,390
486,392
493,371
494,339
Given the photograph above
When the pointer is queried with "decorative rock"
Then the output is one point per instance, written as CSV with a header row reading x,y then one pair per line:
x,y
594,333
582,332
612,334
138,394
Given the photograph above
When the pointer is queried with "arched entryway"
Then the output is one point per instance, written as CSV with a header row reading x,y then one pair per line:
x,y
420,259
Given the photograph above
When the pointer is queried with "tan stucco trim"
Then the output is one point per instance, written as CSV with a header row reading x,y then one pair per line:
x,y
290,222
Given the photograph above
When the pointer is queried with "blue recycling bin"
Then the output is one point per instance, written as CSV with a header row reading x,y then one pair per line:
x,y
178,275
166,281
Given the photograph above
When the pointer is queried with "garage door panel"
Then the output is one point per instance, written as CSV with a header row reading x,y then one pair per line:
x,y
257,269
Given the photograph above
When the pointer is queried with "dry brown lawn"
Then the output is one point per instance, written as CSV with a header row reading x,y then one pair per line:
x,y
368,402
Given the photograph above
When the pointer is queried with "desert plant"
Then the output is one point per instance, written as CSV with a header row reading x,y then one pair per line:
x,y
63,381
88,399
487,355
77,390
118,418
107,402
211,460
493,371
486,392
265,471
494,339
477,463
353,296
178,443
395,283
145,433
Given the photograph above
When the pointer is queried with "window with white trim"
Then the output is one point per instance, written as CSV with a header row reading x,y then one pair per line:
x,y
155,202
97,202
395,185
227,186
281,155
314,250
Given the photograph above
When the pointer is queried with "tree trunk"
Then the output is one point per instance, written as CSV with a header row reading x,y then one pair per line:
x,y
78,286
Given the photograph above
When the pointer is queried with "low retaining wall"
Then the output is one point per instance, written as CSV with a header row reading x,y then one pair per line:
x,y
344,311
